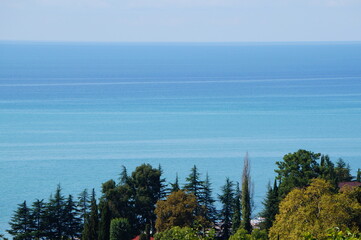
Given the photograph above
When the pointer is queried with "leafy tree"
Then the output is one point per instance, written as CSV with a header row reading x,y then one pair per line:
x,y
236,220
296,170
226,214
186,233
37,219
120,229
176,210
270,205
91,225
246,195
21,223
315,209
243,234
146,183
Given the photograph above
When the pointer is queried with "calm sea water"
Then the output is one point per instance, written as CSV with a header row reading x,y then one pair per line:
x,y
74,113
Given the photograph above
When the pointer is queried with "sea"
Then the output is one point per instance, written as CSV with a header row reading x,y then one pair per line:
x,y
74,113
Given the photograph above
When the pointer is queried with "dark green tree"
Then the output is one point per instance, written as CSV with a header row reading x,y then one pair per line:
x,y
327,170
91,225
55,216
207,201
37,219
236,220
163,185
193,183
296,170
246,195
83,205
21,223
358,177
123,179
270,204
175,185
104,223
343,171
73,223
226,213
120,229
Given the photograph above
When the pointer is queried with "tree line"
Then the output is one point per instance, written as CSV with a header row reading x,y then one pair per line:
x,y
141,203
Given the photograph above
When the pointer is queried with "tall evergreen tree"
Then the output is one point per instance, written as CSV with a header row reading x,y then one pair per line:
x,y
226,213
327,170
246,195
37,217
73,223
105,220
83,205
175,185
358,177
91,225
21,223
207,201
123,179
193,183
163,185
236,220
271,204
55,215
343,171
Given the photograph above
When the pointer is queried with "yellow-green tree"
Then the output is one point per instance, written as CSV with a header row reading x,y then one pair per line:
x,y
315,209
177,210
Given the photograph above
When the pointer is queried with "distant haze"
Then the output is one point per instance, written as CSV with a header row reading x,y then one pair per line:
x,y
180,20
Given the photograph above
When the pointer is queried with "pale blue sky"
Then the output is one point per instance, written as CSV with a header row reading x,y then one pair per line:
x,y
180,20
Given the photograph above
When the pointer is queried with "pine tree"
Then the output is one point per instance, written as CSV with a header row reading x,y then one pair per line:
x,y
246,196
83,205
91,225
195,186
236,220
163,185
37,217
358,177
226,214
271,205
207,201
175,185
55,216
73,223
123,179
21,223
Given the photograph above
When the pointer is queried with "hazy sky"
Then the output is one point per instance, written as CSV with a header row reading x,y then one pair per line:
x,y
180,20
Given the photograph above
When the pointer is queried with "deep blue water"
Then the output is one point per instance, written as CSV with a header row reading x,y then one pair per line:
x,y
73,113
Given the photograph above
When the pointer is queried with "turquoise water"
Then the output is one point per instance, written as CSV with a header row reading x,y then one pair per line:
x,y
74,113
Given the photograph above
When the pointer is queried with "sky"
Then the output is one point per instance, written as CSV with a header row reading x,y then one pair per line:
x,y
180,20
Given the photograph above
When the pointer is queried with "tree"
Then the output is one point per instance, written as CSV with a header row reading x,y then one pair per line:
x,y
175,185
120,229
91,225
358,177
315,209
105,220
236,220
83,204
178,233
342,171
246,195
226,214
176,210
55,215
123,179
207,201
296,170
37,219
73,223
193,183
21,223
270,205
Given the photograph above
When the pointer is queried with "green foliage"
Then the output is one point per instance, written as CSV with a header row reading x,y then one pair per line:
x,y
270,206
343,172
336,234
246,196
120,229
177,210
185,233
243,234
226,214
21,223
315,209
91,225
296,170
207,201
175,185
236,219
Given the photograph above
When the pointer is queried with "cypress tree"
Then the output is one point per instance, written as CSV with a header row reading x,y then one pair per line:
x,y
271,205
91,225
105,219
21,223
246,196
236,220
226,214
